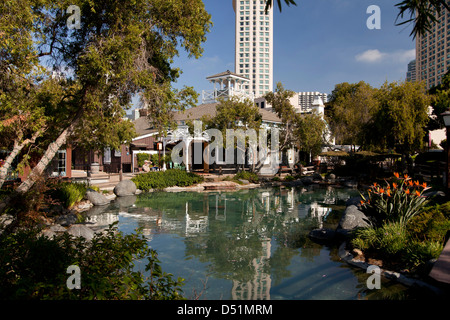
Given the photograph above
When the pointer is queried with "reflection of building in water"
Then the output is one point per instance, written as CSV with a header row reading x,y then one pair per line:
x,y
259,287
319,212
102,219
221,207
195,225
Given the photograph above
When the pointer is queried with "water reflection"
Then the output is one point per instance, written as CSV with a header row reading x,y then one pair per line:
x,y
250,244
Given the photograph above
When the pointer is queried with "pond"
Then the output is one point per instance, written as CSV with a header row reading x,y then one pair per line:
x,y
248,244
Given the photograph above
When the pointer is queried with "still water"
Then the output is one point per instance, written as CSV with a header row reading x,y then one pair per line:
x,y
248,244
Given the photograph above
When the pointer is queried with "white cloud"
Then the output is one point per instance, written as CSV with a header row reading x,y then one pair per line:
x,y
375,55
370,56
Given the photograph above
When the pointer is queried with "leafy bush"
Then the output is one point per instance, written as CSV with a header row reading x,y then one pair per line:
x,y
35,267
164,179
141,157
432,224
365,238
69,193
419,252
289,178
391,238
398,202
245,175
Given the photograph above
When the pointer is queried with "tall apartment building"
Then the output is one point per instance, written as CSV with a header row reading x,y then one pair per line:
x,y
306,99
254,45
433,51
411,73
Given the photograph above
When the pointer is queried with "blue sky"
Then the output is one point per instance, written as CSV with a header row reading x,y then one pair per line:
x,y
317,44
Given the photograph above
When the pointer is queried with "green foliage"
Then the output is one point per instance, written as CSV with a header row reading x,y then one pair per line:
x,y
392,117
69,193
401,119
34,267
246,175
432,224
123,49
364,238
423,14
391,238
164,179
309,133
350,109
419,252
280,102
289,178
406,230
141,157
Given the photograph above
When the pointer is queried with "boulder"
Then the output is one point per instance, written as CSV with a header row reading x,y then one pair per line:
x,y
5,220
96,198
67,219
317,176
322,234
125,202
47,233
355,201
57,228
243,181
80,230
350,184
125,188
307,181
351,219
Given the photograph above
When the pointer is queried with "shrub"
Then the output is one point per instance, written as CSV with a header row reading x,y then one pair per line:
x,y
389,239
141,157
289,178
245,175
398,202
35,267
365,238
392,238
164,179
431,224
69,193
420,252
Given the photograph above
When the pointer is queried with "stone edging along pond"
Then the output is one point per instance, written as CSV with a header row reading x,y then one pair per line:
x,y
347,257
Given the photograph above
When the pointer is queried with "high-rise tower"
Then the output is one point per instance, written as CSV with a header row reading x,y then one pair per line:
x,y
254,44
433,51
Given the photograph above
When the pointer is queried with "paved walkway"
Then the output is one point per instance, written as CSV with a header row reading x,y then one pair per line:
x,y
441,269
107,181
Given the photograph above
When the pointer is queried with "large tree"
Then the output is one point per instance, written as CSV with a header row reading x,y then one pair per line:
x,y
310,133
122,48
280,100
241,116
351,107
400,122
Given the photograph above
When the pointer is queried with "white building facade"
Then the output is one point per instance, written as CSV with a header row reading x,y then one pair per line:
x,y
254,45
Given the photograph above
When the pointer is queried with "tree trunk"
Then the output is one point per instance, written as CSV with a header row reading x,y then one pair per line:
x,y
16,150
49,154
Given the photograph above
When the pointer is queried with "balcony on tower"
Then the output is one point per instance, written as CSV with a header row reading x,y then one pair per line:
x,y
227,84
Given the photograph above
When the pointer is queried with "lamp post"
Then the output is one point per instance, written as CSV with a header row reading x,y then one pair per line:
x,y
159,147
446,118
